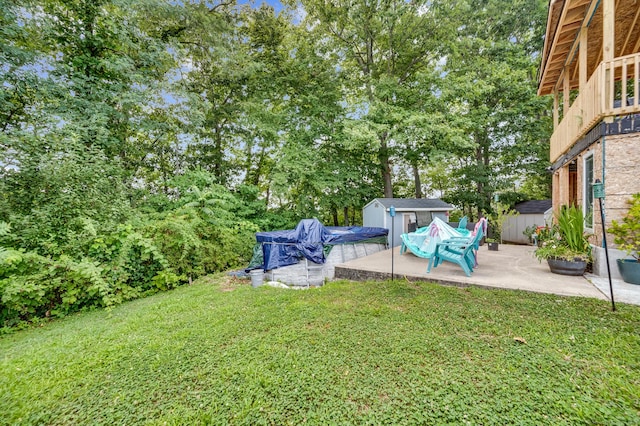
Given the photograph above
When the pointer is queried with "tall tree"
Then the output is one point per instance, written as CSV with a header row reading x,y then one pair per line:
x,y
382,46
106,66
490,83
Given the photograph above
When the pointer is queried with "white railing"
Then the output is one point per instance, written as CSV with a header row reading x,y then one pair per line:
x,y
599,99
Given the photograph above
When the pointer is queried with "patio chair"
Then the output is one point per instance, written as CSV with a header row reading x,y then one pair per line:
x,y
454,252
475,238
422,243
462,225
463,252
414,240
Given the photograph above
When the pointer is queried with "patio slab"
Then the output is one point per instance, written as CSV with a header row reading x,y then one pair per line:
x,y
512,267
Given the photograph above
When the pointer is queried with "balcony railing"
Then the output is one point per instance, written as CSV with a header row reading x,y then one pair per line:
x,y
612,90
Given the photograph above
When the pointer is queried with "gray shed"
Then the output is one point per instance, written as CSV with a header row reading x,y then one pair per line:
x,y
530,213
411,213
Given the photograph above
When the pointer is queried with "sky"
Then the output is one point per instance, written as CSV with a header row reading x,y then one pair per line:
x,y
277,6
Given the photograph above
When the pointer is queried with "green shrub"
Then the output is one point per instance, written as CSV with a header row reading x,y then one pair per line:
x,y
84,259
566,239
571,226
627,232
35,286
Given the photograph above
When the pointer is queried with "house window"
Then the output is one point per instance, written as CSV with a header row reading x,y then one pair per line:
x,y
588,192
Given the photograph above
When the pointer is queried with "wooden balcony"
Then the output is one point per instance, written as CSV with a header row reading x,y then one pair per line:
x,y
611,91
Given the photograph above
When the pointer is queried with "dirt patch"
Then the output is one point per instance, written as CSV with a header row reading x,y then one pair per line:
x,y
231,283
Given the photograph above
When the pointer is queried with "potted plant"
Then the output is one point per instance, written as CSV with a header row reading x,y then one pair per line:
x,y
492,244
497,221
530,233
564,245
627,238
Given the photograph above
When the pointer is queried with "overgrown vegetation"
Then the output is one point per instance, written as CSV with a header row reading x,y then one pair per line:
x,y
83,263
143,142
220,352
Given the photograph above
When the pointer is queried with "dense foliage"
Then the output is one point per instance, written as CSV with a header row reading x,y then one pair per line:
x,y
627,230
566,238
144,142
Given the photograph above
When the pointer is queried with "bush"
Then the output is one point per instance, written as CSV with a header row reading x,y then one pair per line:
x,y
627,232
69,253
565,239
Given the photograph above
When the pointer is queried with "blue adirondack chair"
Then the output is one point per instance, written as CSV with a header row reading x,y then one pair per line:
x,y
459,251
462,225
475,238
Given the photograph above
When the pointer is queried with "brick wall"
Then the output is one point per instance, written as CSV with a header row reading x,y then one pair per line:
x,y
621,154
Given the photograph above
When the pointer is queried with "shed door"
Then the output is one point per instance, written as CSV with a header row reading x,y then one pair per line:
x,y
423,219
409,223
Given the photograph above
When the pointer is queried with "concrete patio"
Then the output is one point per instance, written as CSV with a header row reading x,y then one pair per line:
x,y
513,267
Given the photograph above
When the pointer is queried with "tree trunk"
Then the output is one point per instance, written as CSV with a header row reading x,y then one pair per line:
x,y
217,156
385,164
334,214
346,216
416,179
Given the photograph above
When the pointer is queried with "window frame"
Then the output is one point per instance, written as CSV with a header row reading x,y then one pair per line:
x,y
588,205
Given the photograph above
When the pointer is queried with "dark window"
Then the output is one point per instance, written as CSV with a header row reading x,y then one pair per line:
x,y
588,192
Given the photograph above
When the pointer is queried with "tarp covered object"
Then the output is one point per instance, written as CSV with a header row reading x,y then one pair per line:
x,y
283,248
423,242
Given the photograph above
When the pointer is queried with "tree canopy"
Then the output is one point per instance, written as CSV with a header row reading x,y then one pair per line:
x,y
144,141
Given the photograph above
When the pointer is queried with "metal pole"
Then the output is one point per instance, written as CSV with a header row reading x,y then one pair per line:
x,y
606,254
599,193
392,212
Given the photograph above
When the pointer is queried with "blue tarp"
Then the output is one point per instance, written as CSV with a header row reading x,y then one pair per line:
x,y
282,248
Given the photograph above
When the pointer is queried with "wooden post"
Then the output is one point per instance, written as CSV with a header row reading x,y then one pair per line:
x,y
608,49
608,30
556,106
566,92
582,56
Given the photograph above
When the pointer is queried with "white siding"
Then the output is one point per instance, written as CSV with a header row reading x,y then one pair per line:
x,y
373,215
514,226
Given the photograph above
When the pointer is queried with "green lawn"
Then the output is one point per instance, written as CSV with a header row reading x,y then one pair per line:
x,y
220,352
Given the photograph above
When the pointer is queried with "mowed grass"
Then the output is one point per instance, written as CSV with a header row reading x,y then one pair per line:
x,y
220,352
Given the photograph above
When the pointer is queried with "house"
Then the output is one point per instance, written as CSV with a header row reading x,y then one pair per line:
x,y
591,67
530,213
411,213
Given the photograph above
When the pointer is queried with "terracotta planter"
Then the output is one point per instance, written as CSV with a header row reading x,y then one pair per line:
x,y
630,270
567,267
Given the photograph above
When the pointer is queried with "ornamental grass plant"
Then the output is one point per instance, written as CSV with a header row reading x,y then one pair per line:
x,y
566,239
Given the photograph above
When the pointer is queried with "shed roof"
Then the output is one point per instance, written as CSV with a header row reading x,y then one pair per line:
x,y
533,206
413,204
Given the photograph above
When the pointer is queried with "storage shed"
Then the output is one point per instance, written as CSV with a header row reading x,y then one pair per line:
x,y
530,213
411,213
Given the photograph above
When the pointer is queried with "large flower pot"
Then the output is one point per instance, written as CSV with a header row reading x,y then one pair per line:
x,y
630,270
567,267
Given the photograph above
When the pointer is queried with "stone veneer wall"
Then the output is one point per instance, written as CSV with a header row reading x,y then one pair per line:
x,y
622,169
622,179
621,154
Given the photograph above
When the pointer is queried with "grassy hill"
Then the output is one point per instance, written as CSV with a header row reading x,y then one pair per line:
x,y
220,352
